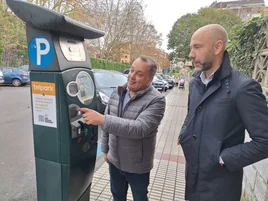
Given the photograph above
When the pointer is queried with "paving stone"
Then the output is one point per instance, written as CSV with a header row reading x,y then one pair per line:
x,y
167,194
250,173
156,192
262,169
260,189
154,198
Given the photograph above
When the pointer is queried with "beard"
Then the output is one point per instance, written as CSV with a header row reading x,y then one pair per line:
x,y
204,65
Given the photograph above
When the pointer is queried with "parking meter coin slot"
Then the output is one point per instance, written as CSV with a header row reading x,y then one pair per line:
x,y
78,127
73,112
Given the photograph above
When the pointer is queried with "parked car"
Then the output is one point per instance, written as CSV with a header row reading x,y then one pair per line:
x,y
173,79
25,68
162,79
15,76
1,77
171,83
159,84
106,81
126,72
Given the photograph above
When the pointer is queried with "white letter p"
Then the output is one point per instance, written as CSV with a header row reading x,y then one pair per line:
x,y
40,52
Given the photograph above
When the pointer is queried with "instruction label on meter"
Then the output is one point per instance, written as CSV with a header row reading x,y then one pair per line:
x,y
44,104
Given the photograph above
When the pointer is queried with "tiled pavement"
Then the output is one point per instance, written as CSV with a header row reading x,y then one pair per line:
x,y
167,176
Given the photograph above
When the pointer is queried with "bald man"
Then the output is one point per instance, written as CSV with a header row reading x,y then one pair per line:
x,y
223,103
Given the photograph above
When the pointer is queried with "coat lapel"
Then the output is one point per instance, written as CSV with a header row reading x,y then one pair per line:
x,y
210,91
224,71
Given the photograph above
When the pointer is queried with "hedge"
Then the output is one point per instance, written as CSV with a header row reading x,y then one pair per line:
x,y
97,63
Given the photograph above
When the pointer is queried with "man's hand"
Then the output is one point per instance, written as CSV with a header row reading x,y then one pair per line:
x,y
178,142
105,156
91,116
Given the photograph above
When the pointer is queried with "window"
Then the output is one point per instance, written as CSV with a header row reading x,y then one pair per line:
x,y
109,80
7,70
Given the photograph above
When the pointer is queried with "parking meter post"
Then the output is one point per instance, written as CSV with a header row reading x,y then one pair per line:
x,y
61,82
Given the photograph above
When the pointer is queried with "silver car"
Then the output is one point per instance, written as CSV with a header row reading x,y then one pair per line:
x,y
1,77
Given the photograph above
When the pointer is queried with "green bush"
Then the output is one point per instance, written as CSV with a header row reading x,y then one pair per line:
x,y
1,50
246,42
97,63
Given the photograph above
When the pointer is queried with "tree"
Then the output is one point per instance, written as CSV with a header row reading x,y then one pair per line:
x,y
123,21
246,40
65,7
180,35
1,50
12,35
124,24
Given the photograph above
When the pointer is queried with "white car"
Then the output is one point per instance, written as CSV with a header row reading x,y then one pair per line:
x,y
159,84
162,79
1,77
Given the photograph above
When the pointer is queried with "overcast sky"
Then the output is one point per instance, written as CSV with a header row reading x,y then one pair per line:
x,y
164,13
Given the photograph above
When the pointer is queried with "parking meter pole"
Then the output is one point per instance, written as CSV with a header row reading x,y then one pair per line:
x,y
61,82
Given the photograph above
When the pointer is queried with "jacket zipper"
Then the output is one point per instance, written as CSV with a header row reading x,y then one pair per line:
x,y
119,114
127,105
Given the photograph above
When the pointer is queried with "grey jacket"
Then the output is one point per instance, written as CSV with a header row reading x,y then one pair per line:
x,y
129,136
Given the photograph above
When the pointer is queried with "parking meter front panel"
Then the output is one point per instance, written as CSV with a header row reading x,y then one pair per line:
x,y
80,92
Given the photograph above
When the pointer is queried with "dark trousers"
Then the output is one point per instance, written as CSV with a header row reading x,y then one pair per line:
x,y
119,184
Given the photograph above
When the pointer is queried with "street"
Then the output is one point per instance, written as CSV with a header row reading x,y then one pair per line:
x,y
17,175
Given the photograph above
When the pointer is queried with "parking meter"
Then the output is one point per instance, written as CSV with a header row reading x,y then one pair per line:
x,y
61,82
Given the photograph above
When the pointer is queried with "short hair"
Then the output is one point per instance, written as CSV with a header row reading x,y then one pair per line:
x,y
151,62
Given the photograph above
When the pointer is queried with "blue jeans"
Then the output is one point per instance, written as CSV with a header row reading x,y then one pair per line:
x,y
119,181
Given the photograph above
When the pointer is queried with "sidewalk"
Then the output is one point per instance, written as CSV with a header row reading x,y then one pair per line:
x,y
167,176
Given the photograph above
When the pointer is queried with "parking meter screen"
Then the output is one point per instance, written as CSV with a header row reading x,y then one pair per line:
x,y
85,87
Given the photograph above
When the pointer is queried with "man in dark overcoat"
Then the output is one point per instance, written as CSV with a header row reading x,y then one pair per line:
x,y
223,103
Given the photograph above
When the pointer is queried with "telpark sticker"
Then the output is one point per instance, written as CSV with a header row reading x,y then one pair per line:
x,y
44,104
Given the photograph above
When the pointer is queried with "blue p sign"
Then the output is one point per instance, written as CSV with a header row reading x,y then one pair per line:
x,y
40,51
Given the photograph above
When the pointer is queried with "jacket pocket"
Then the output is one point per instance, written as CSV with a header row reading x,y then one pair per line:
x,y
188,151
222,101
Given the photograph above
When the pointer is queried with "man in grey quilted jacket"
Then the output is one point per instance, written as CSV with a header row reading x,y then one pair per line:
x,y
129,126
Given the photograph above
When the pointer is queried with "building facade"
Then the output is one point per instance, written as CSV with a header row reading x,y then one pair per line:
x,y
128,53
245,9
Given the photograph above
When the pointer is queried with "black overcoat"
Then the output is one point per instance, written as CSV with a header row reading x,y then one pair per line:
x,y
215,126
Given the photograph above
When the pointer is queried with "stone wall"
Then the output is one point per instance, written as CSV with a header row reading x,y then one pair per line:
x,y
255,183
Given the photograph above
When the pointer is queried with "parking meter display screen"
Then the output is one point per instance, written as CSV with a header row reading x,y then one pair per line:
x,y
85,87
